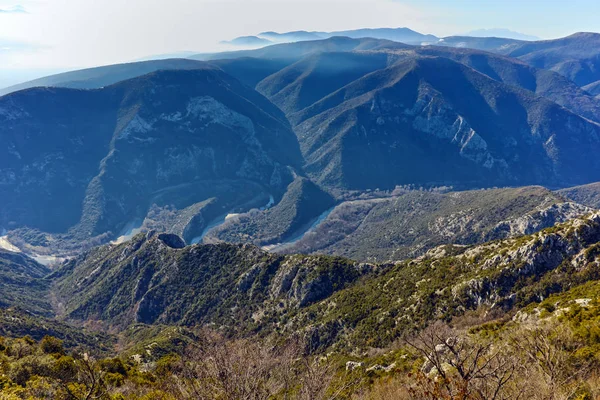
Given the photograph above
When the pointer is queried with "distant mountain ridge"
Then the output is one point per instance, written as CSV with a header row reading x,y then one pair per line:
x,y
94,78
404,35
577,66
502,33
576,56
248,41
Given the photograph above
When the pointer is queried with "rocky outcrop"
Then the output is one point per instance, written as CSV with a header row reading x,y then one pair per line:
x,y
538,220
517,259
173,241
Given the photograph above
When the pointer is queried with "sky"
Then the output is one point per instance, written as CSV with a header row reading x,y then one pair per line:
x,y
37,36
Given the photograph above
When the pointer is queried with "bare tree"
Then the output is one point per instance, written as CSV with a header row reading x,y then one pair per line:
x,y
548,348
458,367
217,368
253,370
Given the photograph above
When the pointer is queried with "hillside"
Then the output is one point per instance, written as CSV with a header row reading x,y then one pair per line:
x,y
89,162
339,303
155,279
312,78
22,284
410,122
250,70
300,206
577,56
372,330
410,223
450,280
588,195
545,83
16,322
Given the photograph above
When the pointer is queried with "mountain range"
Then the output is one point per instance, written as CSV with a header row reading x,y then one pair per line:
x,y
295,122
404,35
331,214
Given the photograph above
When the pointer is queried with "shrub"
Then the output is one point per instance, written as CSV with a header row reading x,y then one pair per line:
x,y
52,345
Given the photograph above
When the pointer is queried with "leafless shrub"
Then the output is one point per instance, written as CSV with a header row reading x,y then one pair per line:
x,y
460,367
548,351
217,368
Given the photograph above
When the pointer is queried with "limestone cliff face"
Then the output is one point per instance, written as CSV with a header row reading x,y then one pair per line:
x,y
538,220
433,120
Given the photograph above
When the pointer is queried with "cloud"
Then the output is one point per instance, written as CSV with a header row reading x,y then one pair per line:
x,y
18,9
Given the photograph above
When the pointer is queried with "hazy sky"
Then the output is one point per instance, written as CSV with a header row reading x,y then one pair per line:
x,y
77,33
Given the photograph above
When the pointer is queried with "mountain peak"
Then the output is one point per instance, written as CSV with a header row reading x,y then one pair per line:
x,y
584,35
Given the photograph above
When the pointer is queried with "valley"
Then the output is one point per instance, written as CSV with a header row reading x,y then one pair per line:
x,y
354,214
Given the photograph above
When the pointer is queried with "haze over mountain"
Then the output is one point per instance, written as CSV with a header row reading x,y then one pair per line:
x,y
95,78
273,59
575,56
296,36
501,33
295,51
248,41
403,35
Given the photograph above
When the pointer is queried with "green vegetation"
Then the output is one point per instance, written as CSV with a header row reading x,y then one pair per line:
x,y
284,318
22,283
409,223
586,194
15,323
147,281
